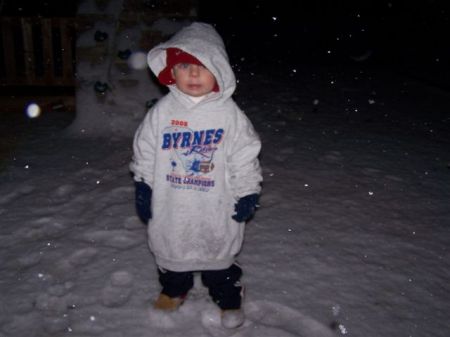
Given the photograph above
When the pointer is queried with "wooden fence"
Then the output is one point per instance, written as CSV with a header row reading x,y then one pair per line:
x,y
37,51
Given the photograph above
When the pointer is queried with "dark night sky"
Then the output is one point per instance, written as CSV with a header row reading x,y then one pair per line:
x,y
407,36
398,33
395,31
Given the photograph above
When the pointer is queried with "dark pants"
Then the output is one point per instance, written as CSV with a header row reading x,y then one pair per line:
x,y
223,285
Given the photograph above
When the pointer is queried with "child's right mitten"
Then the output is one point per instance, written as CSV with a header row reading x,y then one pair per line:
x,y
143,194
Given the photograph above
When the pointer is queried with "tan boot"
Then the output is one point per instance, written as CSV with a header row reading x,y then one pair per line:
x,y
164,302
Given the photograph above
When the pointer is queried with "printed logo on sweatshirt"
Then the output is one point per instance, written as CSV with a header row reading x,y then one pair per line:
x,y
192,156
189,139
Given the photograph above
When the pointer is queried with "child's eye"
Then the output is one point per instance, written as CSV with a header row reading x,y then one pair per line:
x,y
183,65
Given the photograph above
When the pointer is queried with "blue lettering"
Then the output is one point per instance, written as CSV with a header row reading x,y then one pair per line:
x,y
166,141
176,137
218,136
192,139
208,136
198,137
186,142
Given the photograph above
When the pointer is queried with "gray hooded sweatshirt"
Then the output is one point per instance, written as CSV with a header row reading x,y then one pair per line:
x,y
199,159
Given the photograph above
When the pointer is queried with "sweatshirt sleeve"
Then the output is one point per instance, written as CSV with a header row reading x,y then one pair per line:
x,y
243,164
144,144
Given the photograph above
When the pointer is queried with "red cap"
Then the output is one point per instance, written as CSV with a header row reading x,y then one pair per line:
x,y
175,56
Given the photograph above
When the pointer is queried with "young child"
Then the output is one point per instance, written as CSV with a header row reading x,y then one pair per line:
x,y
196,171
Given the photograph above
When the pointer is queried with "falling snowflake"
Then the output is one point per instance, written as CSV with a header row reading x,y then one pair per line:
x,y
342,329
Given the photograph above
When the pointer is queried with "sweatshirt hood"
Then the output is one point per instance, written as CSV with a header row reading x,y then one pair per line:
x,y
202,41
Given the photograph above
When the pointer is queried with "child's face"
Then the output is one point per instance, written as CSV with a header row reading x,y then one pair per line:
x,y
192,79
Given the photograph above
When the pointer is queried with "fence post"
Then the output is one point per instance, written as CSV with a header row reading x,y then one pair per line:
x,y
8,49
67,49
28,50
48,62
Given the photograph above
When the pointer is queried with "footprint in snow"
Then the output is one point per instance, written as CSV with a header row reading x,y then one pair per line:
x,y
287,320
16,193
50,228
369,171
20,306
82,256
263,319
64,190
42,228
29,260
118,289
22,325
267,319
133,223
123,190
120,239
332,157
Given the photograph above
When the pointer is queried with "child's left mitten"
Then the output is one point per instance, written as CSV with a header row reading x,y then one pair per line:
x,y
246,207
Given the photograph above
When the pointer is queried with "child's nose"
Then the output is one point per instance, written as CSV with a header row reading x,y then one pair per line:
x,y
194,70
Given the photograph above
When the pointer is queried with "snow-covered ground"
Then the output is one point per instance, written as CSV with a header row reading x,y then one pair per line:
x,y
351,237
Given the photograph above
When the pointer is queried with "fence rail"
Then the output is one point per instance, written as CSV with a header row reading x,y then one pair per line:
x,y
36,51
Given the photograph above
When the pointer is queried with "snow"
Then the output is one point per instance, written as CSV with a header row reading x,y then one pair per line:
x,y
351,237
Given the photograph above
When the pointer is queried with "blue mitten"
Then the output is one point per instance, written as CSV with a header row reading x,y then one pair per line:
x,y
245,207
143,201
